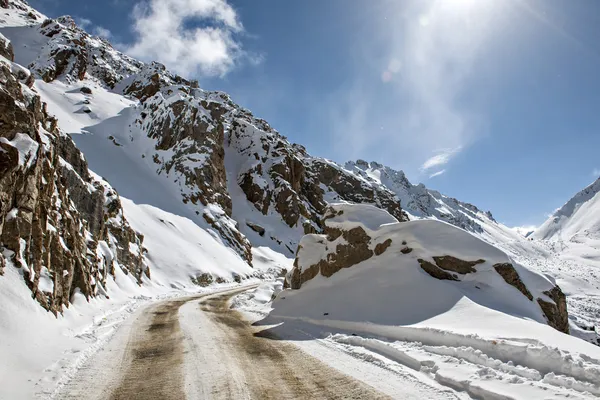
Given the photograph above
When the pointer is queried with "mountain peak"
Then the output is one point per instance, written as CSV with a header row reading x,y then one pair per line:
x,y
578,216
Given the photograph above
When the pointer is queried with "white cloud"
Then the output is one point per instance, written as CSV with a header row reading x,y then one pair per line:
x,y
596,172
424,54
189,36
93,29
439,159
438,173
102,32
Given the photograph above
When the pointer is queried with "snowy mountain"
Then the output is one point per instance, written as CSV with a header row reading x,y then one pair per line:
x,y
421,202
209,153
121,182
579,218
164,143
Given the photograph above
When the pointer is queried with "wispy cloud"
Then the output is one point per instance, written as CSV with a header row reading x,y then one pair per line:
x,y
190,36
94,29
438,173
596,172
439,159
425,52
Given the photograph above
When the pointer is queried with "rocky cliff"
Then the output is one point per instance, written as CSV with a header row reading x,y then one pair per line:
x,y
62,225
194,132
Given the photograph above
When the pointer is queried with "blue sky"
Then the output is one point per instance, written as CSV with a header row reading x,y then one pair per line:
x,y
494,102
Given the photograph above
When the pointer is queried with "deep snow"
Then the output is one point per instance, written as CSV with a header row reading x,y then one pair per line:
x,y
479,335
483,341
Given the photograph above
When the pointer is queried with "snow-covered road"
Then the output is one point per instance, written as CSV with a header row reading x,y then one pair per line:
x,y
198,348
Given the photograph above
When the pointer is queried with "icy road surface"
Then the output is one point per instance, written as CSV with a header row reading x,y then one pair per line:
x,y
198,348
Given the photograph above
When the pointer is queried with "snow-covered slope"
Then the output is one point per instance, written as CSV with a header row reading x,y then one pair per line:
x,y
420,202
211,193
578,219
435,299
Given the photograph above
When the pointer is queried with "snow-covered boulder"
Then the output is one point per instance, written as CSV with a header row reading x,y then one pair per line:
x,y
364,252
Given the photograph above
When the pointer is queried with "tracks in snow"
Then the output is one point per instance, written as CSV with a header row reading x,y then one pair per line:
x,y
199,348
484,369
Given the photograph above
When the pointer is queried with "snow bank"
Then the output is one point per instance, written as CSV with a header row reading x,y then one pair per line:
x,y
389,305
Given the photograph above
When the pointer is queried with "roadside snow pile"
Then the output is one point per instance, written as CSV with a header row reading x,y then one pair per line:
x,y
257,301
429,263
435,299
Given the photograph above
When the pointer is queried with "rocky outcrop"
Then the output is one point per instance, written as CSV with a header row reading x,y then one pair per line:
x,y
454,264
380,248
189,131
353,249
352,188
6,48
344,248
61,226
556,312
70,53
436,271
447,263
510,276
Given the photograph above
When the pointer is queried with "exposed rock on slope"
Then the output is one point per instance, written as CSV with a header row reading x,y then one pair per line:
x,y
194,131
63,226
354,232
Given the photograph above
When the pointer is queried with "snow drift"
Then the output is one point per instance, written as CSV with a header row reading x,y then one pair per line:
x,y
405,273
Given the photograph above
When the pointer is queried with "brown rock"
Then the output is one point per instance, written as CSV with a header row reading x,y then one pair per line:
x,y
49,214
346,255
406,250
256,228
435,271
6,50
380,248
510,276
556,313
454,264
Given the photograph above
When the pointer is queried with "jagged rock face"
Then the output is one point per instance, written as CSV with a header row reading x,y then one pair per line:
x,y
62,226
420,201
6,48
71,53
510,276
282,177
189,131
275,176
556,313
194,129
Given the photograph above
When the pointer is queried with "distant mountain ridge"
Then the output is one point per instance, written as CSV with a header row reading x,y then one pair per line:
x,y
419,201
578,216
